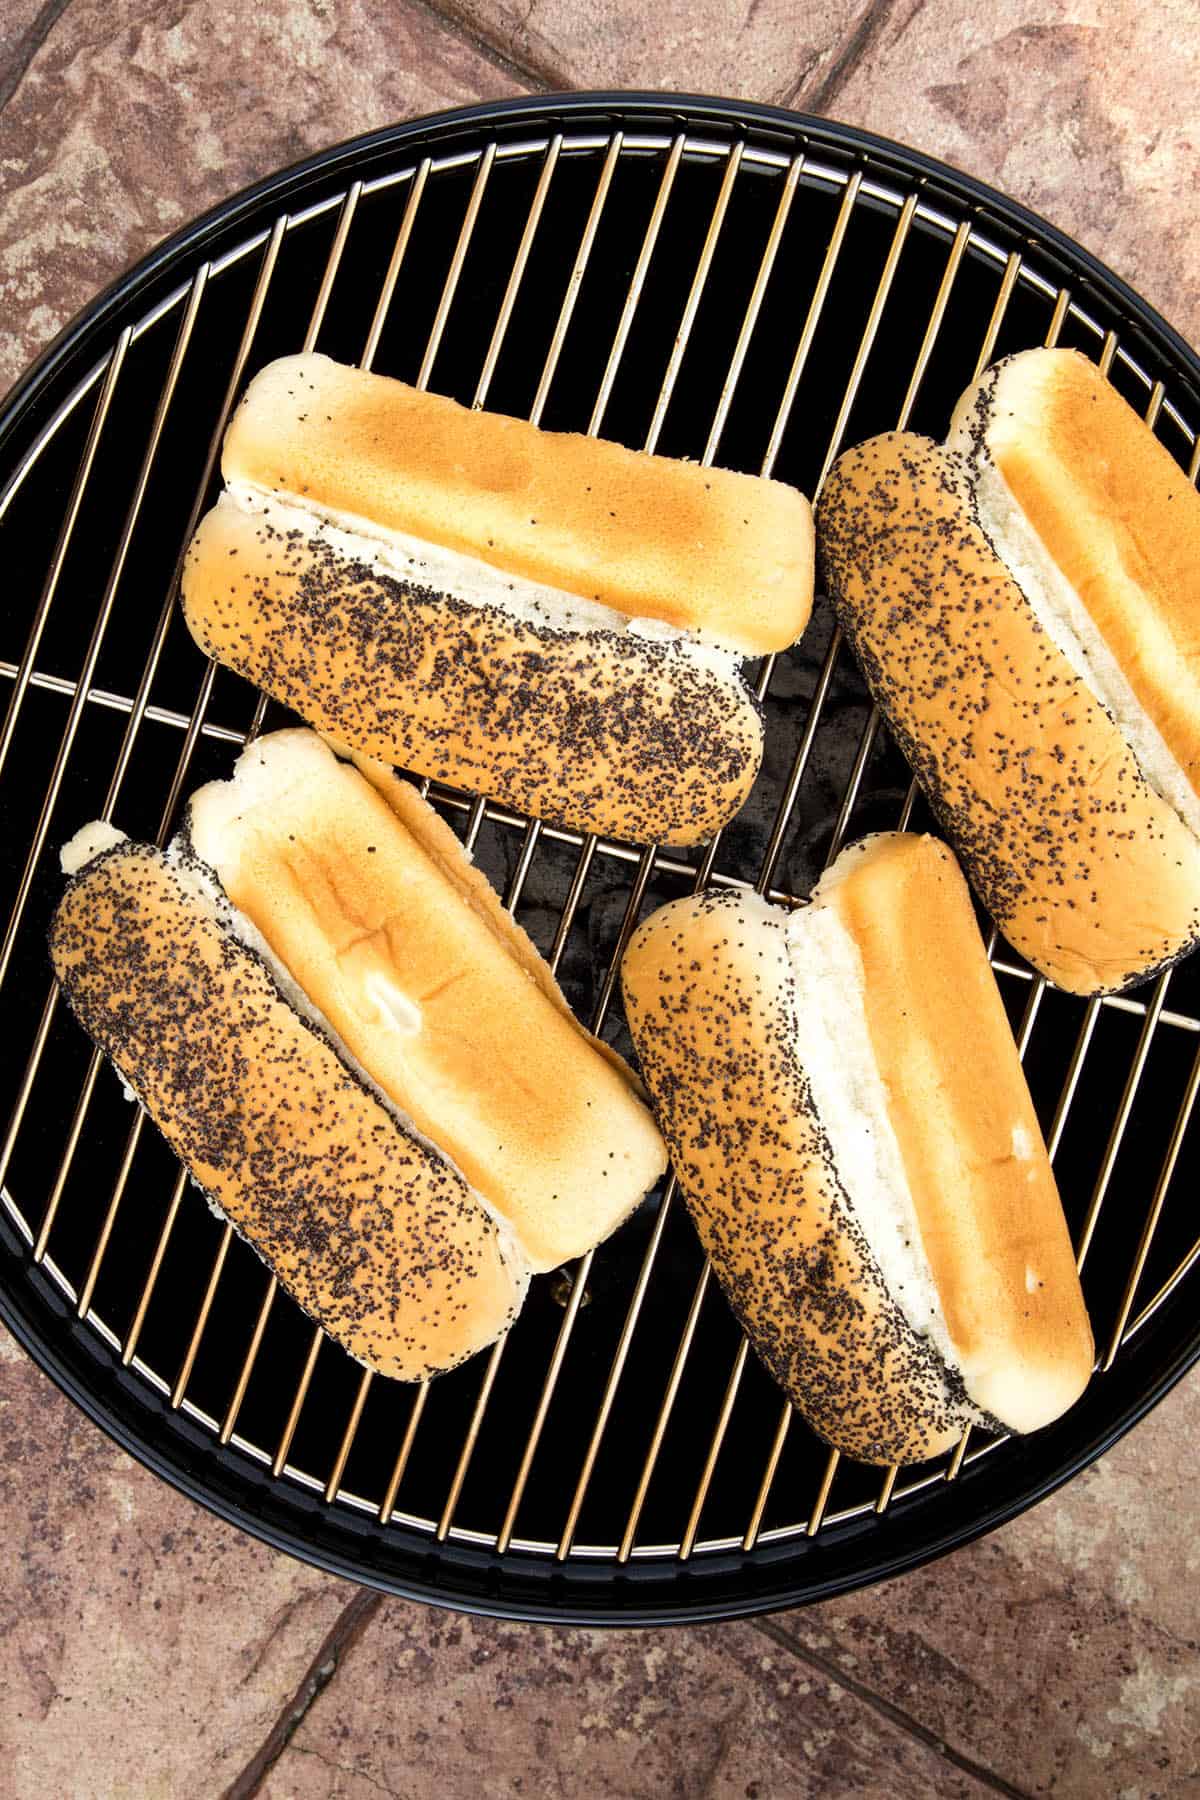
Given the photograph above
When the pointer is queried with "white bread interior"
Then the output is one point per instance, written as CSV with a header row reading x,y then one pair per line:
x,y
375,1235
971,1223
637,733
706,550
459,576
852,1130
1115,579
429,986
850,1098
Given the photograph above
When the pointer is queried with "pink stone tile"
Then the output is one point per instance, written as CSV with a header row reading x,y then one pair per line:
x,y
432,1704
1084,109
1063,1652
135,115
18,19
145,1647
757,49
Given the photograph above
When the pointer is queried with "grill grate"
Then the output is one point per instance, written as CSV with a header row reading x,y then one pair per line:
x,y
725,289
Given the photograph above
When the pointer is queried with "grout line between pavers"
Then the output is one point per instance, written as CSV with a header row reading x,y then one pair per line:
x,y
887,1709
341,1637
28,45
819,97
540,73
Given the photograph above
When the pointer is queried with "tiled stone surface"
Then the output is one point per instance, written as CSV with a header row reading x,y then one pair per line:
x,y
1059,1656
759,49
1084,109
1064,1651
432,1704
145,1647
135,115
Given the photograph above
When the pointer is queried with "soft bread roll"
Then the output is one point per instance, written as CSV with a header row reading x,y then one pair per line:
x,y
377,1237
1087,869
607,730
705,550
366,898
850,1125
1086,506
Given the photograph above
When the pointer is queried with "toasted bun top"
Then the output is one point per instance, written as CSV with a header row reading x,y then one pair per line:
x,y
443,849
1028,774
707,550
378,1238
986,1203
387,932
1114,510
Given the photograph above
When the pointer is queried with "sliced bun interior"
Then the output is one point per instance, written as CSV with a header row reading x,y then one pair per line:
x,y
1101,529
990,1236
368,901
378,1238
635,732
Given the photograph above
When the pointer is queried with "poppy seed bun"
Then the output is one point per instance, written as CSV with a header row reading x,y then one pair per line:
x,y
705,550
1069,479
851,1128
606,730
376,1236
368,901
1088,871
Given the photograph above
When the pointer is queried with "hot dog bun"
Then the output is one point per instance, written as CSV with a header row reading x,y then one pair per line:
x,y
703,550
378,1238
848,1119
1071,484
366,898
600,728
1064,800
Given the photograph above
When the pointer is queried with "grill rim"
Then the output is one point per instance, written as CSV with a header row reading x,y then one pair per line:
x,y
455,1574
456,1577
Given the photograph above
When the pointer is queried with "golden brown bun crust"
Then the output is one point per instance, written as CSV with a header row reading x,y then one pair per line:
x,y
1117,514
611,734
707,984
704,549
1087,871
489,1069
985,1196
439,842
381,1242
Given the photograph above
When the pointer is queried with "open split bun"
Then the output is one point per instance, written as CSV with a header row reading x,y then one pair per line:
x,y
1023,602
358,1054
852,1130
552,620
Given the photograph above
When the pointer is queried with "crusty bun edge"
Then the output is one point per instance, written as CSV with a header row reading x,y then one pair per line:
x,y
624,735
649,536
992,424
334,1298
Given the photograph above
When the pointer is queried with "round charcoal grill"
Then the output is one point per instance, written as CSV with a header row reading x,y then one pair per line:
x,y
723,282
